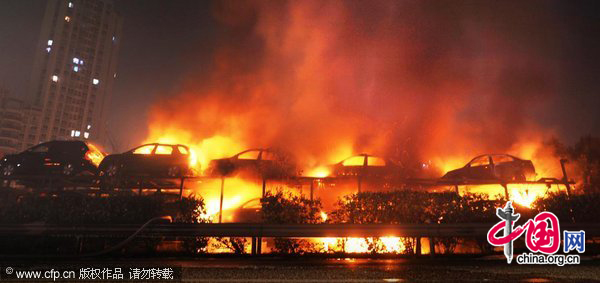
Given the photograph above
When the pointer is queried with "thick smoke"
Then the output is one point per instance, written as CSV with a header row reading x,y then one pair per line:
x,y
411,80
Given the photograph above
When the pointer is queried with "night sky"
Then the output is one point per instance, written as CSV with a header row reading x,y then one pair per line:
x,y
165,41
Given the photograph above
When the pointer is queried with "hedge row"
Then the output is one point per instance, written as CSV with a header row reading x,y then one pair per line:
x,y
71,208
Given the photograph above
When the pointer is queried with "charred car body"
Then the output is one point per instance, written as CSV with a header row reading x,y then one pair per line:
x,y
369,171
155,159
248,212
265,163
494,166
66,158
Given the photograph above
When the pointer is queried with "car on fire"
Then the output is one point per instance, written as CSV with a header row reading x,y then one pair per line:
x,y
366,172
247,212
66,158
494,166
366,165
154,159
262,162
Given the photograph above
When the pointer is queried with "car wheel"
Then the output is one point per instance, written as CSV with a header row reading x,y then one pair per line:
x,y
520,177
68,169
174,171
109,176
112,170
8,170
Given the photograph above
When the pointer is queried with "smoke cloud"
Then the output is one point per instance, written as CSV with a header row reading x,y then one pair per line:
x,y
411,80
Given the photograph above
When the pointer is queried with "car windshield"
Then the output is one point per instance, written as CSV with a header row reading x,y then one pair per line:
x,y
255,203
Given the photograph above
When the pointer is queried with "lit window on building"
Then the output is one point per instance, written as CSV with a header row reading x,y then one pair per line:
x,y
67,19
70,4
48,49
115,75
89,127
95,81
86,135
50,42
76,60
114,38
77,133
76,69
55,78
72,133
81,62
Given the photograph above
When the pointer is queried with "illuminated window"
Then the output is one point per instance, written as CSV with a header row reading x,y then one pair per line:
x,y
266,155
114,38
89,127
50,42
77,133
55,78
75,60
72,133
81,62
354,161
70,4
67,19
163,149
481,161
182,149
251,155
144,149
76,69
48,49
95,81
501,159
86,135
375,161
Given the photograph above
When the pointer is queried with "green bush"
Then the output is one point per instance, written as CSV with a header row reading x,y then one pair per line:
x,y
407,206
579,207
72,208
281,208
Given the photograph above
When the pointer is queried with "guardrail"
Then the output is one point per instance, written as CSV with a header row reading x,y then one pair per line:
x,y
276,230
258,230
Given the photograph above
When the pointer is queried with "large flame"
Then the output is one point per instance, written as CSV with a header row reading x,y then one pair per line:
x,y
328,80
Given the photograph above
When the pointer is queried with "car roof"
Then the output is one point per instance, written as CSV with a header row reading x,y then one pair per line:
x,y
166,144
364,155
62,141
253,149
494,154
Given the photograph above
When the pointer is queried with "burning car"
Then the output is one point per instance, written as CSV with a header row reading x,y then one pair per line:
x,y
67,158
155,159
368,172
248,212
258,162
494,166
365,165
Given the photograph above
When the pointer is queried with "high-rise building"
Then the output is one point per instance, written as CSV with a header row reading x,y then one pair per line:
x,y
11,123
74,70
